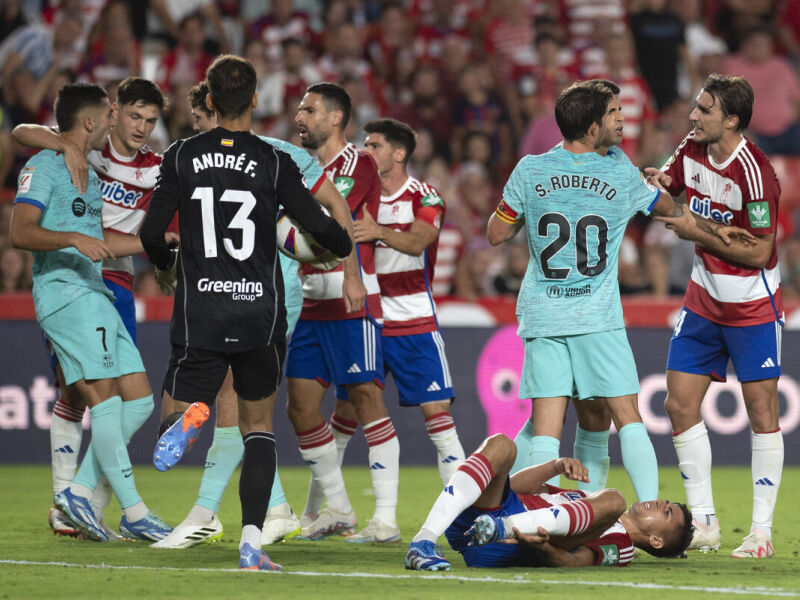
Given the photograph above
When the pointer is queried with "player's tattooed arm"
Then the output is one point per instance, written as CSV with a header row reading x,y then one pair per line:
x,y
39,136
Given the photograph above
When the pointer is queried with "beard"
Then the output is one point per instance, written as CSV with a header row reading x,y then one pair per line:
x,y
311,141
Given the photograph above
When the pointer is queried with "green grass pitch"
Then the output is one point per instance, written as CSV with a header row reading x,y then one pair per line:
x,y
36,564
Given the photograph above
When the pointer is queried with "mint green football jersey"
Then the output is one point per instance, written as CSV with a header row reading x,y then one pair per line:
x,y
62,276
576,208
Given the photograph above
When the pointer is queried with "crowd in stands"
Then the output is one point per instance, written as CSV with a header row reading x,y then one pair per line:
x,y
477,79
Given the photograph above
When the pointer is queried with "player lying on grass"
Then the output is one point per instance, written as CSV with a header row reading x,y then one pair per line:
x,y
495,520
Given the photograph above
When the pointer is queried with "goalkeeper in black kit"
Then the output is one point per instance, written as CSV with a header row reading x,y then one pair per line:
x,y
226,185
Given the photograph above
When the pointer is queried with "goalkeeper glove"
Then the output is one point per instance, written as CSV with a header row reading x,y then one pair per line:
x,y
167,279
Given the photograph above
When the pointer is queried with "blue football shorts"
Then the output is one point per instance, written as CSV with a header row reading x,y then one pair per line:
x,y
494,554
339,352
125,305
418,364
703,347
591,365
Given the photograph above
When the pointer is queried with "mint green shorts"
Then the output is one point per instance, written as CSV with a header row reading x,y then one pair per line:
x,y
588,365
90,340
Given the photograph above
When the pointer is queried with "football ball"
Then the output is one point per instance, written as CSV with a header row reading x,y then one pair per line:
x,y
294,242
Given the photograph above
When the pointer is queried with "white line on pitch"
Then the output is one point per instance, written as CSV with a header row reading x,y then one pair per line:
x,y
741,591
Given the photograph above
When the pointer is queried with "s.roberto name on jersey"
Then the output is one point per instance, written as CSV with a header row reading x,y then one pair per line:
x,y
246,291
581,182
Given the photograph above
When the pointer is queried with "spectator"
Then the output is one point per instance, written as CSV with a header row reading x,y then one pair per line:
x,y
117,57
659,35
790,268
11,18
188,61
776,89
168,16
509,279
427,109
281,23
15,270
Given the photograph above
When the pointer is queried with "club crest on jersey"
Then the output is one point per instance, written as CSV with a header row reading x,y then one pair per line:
x,y
344,185
759,214
116,193
702,206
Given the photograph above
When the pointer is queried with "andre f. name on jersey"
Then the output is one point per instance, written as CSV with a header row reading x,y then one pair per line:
x,y
219,160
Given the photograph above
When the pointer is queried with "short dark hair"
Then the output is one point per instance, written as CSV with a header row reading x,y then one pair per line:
x,y
604,83
197,97
72,99
137,89
679,545
735,97
578,107
397,133
232,84
335,98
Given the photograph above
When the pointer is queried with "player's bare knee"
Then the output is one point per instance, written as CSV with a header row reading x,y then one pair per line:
x,y
500,451
608,502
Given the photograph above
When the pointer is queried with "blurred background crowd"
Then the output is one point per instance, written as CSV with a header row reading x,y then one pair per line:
x,y
477,79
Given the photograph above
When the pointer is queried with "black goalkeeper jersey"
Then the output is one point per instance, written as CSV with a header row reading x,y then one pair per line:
x,y
226,187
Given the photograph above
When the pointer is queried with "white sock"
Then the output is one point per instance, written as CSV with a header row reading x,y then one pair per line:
x,y
324,464
200,515
101,496
449,452
66,432
767,465
571,518
342,431
384,464
694,459
250,535
136,512
462,491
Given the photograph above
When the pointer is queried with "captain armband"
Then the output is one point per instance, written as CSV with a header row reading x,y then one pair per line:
x,y
506,214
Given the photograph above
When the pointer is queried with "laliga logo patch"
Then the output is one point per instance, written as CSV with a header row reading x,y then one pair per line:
x,y
78,207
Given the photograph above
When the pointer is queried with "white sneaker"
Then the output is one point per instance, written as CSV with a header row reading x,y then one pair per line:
x,y
376,532
60,523
706,537
189,534
328,523
755,545
281,522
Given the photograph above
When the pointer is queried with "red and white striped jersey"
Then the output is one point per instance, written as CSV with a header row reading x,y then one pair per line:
x,y
743,191
408,306
613,548
126,184
355,175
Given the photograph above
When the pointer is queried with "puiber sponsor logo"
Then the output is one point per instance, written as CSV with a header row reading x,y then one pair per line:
x,y
239,290
115,192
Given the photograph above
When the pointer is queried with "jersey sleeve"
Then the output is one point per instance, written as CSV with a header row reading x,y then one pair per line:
x,y
643,195
674,168
612,550
761,194
162,208
298,202
511,208
35,183
362,189
430,207
312,173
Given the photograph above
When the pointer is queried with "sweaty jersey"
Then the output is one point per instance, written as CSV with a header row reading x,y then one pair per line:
x,y
743,191
355,175
405,280
613,548
576,208
226,186
127,184
61,276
